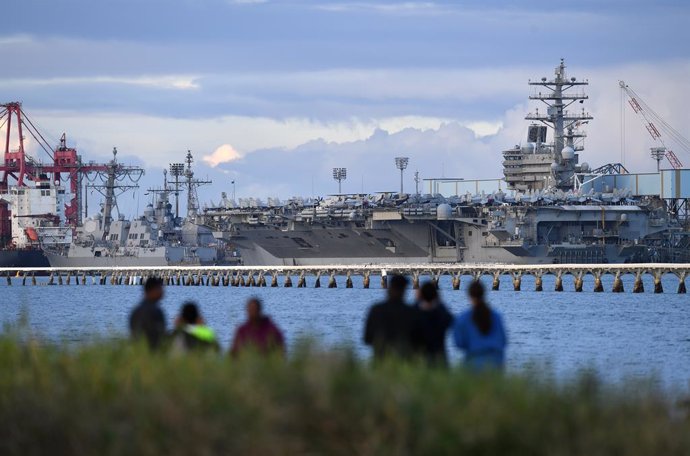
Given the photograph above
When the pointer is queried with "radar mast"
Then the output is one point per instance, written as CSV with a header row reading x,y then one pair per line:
x,y
557,95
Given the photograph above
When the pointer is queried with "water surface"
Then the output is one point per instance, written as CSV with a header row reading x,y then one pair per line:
x,y
621,335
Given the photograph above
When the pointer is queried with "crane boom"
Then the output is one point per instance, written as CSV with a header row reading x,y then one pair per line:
x,y
650,120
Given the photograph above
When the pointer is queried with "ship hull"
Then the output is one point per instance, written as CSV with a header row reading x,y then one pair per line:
x,y
23,259
269,247
63,261
411,243
78,257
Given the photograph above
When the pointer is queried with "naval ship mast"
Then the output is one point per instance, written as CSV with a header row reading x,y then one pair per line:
x,y
567,139
192,185
112,177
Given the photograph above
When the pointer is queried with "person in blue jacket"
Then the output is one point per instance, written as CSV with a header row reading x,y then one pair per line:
x,y
479,333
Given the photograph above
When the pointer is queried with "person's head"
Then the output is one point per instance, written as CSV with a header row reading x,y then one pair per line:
x,y
481,314
153,289
190,313
428,292
396,287
254,309
476,293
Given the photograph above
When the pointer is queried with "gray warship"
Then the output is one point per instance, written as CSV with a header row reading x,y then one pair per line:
x,y
157,238
548,208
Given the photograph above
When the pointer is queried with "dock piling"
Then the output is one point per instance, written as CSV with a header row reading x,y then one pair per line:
x,y
658,286
598,285
579,282
496,284
559,281
415,280
618,283
638,285
681,282
517,281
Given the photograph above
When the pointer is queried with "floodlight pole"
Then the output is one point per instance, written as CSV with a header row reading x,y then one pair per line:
x,y
401,164
176,169
340,174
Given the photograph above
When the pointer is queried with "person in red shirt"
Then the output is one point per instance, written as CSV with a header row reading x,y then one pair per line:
x,y
258,333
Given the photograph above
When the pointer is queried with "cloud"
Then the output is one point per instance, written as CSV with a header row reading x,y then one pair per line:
x,y
177,82
451,150
389,8
153,138
12,40
224,154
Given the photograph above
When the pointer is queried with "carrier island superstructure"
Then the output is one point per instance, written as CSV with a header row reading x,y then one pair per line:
x,y
548,208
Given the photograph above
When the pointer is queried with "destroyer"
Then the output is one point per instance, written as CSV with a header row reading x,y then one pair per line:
x,y
158,238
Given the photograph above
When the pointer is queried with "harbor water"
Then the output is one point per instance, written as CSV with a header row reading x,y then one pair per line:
x,y
620,335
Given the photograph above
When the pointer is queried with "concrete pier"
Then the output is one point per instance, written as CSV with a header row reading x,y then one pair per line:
x,y
254,276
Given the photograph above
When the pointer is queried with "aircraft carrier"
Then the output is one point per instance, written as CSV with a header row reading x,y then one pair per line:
x,y
548,208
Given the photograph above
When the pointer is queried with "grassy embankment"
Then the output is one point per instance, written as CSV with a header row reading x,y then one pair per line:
x,y
115,399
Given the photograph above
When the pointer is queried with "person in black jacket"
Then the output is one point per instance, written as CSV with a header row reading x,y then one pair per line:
x,y
147,319
433,321
390,325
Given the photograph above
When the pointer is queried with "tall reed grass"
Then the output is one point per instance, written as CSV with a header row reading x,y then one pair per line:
x,y
118,399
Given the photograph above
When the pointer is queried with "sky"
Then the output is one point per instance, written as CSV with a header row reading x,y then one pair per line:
x,y
273,94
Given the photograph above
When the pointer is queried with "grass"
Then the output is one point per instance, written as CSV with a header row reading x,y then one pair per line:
x,y
117,399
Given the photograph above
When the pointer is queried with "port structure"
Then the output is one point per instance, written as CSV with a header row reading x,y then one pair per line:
x,y
65,163
267,276
340,174
655,125
177,171
401,164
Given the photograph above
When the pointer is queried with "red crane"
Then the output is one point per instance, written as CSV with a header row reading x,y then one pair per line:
x,y
65,162
651,119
